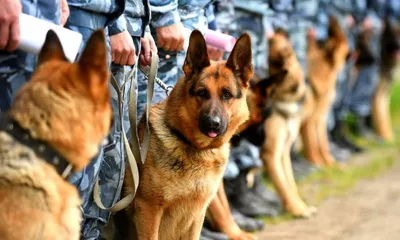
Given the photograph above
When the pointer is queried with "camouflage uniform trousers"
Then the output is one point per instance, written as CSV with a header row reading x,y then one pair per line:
x,y
255,25
360,97
170,69
109,165
17,67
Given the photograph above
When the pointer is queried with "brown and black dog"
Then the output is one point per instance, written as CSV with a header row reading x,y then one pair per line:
x,y
324,63
390,47
64,107
189,144
285,90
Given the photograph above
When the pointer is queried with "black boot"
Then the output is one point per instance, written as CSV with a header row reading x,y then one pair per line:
x,y
207,234
246,201
362,129
341,140
264,193
246,223
340,154
301,167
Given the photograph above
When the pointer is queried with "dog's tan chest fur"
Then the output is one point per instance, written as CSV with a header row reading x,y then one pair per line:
x,y
178,178
35,202
182,170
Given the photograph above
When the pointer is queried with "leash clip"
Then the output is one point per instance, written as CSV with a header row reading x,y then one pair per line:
x,y
165,87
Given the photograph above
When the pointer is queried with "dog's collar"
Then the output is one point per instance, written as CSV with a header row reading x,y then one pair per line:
x,y
41,148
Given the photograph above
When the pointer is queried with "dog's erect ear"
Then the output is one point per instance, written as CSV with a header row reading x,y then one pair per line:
x,y
94,56
240,59
263,84
282,32
197,56
52,49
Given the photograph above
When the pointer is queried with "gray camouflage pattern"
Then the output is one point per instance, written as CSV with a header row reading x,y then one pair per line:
x,y
17,67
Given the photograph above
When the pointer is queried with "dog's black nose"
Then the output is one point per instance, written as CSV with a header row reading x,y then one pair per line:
x,y
213,122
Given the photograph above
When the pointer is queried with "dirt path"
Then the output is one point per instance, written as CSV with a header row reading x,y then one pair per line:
x,y
370,211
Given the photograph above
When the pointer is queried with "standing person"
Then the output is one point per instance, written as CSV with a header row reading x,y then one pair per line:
x,y
85,17
343,12
128,49
17,66
368,16
124,23
254,18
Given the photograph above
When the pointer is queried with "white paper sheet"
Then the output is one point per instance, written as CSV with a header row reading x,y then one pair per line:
x,y
33,35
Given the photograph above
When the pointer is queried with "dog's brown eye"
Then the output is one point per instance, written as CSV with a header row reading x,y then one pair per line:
x,y
226,95
202,93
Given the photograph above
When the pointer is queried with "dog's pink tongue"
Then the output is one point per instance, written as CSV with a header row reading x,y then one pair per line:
x,y
212,134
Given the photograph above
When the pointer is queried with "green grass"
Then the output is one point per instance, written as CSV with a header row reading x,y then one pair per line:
x,y
335,182
338,181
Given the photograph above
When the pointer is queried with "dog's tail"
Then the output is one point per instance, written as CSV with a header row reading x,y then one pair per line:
x,y
336,40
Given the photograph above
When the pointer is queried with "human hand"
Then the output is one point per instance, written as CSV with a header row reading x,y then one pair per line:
x,y
269,34
64,12
312,33
122,49
214,53
148,45
9,24
350,21
171,38
366,24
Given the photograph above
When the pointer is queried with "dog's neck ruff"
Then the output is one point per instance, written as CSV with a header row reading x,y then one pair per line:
x,y
41,148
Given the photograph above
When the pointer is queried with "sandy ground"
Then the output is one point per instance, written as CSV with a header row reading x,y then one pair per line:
x,y
370,211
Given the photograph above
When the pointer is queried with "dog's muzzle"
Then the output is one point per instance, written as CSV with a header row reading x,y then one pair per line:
x,y
212,126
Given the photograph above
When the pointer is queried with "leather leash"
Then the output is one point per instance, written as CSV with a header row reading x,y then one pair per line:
x,y
137,151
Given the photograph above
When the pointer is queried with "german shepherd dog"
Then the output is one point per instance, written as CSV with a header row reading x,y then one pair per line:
x,y
324,63
285,89
59,117
189,144
390,47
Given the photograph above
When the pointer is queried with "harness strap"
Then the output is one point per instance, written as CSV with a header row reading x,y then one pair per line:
x,y
136,152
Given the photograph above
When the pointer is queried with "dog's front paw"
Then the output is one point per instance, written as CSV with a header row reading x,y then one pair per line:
x,y
312,210
243,236
302,211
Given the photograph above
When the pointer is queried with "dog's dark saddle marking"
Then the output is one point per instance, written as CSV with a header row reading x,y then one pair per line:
x,y
41,148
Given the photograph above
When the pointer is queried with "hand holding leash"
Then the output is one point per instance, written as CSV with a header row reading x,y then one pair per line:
x,y
148,47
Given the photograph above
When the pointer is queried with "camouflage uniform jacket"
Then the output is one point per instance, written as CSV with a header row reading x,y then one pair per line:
x,y
169,12
94,14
